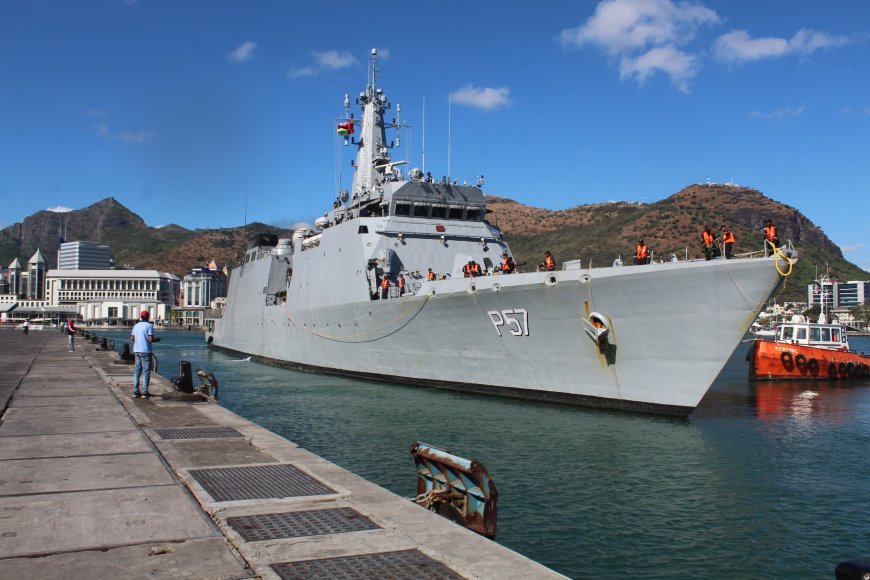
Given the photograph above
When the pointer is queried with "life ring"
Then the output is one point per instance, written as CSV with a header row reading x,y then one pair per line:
x,y
841,368
786,358
801,361
832,369
813,365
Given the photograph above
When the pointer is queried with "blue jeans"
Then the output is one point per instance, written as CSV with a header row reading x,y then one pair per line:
x,y
72,342
143,366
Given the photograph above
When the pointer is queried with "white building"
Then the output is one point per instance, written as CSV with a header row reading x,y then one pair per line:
x,y
839,295
84,256
199,288
114,296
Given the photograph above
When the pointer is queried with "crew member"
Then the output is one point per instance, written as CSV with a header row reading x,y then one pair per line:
x,y
771,238
430,275
549,261
468,270
641,253
401,283
709,239
728,241
475,269
507,264
385,287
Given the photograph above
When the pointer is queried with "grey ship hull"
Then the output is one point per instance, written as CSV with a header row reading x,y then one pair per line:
x,y
672,328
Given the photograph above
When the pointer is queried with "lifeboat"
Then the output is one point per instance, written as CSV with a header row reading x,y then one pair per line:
x,y
806,351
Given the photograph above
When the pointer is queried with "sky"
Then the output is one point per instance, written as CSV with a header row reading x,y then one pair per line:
x,y
208,114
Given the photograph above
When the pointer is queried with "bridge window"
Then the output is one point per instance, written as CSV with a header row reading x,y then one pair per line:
x,y
826,334
421,211
403,209
455,213
814,334
472,215
801,333
438,212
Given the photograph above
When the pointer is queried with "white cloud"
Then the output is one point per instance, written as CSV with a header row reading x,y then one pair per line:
x,y
644,35
485,98
779,114
738,46
243,52
323,61
126,136
59,209
852,249
680,66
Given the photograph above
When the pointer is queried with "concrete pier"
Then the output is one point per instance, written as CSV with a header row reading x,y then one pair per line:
x,y
94,483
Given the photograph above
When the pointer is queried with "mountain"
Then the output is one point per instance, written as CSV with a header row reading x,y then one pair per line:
x,y
596,233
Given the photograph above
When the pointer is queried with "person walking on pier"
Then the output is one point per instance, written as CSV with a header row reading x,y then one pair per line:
x,y
71,332
142,337
26,326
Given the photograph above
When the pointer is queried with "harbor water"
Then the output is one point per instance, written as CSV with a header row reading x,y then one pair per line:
x,y
764,480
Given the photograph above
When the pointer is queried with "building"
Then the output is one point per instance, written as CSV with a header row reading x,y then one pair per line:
x,y
84,256
838,295
199,289
114,297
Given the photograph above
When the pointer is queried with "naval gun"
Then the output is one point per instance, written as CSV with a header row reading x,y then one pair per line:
x,y
456,488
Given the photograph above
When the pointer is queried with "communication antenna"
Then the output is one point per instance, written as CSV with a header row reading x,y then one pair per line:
x,y
449,125
424,134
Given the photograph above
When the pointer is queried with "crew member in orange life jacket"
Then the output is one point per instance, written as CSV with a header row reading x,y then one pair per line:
x,y
507,264
641,253
709,239
728,241
770,237
430,275
401,283
385,287
549,262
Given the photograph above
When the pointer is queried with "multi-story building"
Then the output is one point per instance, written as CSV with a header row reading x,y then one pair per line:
x,y
199,288
84,256
838,295
114,296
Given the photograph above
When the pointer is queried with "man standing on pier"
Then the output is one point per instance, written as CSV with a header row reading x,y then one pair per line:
x,y
142,337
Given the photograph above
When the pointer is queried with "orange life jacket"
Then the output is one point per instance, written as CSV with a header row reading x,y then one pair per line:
x,y
728,237
430,275
770,232
385,283
641,252
401,282
475,268
549,263
506,265
708,238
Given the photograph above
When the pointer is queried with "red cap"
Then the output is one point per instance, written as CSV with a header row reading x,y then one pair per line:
x,y
144,315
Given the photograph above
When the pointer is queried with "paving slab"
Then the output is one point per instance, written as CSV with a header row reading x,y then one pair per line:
x,y
46,524
111,409
73,444
50,426
204,559
211,452
82,473
30,400
69,390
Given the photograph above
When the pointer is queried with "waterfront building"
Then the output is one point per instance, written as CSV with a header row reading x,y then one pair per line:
x,y
838,295
114,297
84,256
199,289
15,278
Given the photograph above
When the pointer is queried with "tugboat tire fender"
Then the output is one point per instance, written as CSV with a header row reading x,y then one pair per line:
x,y
841,368
832,369
850,369
786,358
800,360
813,365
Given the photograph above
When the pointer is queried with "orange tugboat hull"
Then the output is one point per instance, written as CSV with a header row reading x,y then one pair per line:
x,y
777,360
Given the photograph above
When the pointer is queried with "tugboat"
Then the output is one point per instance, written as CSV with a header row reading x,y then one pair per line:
x,y
405,280
803,350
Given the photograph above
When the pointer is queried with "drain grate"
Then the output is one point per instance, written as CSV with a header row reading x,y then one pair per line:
x,y
410,564
258,482
296,524
197,432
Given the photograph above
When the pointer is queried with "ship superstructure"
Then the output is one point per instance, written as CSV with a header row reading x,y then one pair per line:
x,y
648,338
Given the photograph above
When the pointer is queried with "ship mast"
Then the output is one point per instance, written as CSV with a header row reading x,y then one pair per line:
x,y
373,155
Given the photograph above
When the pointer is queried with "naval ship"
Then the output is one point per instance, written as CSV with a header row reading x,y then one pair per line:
x,y
648,338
